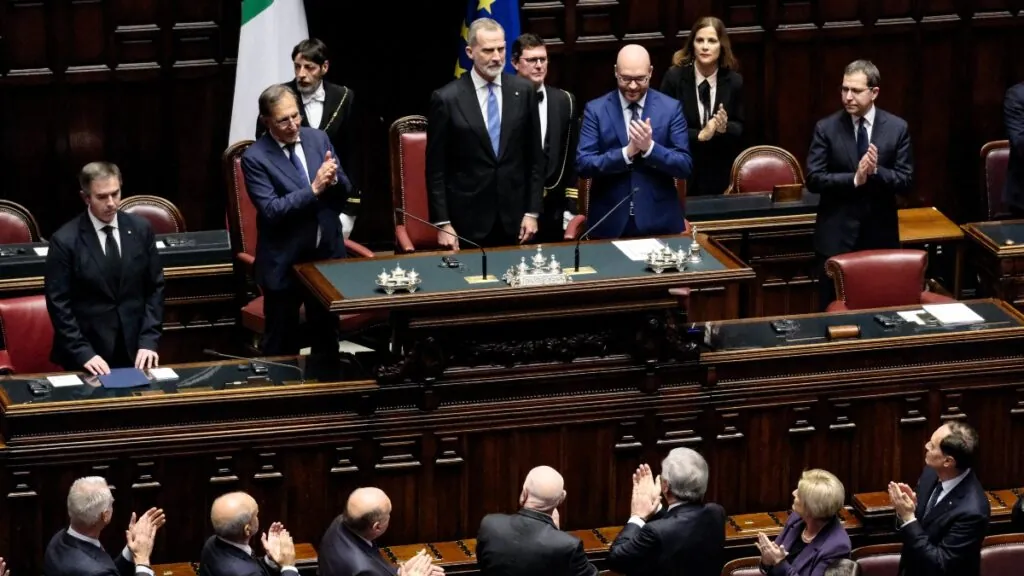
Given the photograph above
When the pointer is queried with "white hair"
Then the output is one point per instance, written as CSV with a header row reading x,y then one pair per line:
x,y
88,499
686,472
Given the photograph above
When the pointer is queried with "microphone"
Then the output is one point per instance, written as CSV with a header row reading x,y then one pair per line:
x,y
483,254
629,196
302,373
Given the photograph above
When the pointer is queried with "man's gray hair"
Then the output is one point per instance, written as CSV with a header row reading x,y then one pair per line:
x,y
88,499
94,171
686,472
482,24
272,95
868,68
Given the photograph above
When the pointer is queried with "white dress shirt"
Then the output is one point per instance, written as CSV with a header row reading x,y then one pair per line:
x,y
480,84
542,108
627,116
98,225
314,105
305,169
713,83
126,552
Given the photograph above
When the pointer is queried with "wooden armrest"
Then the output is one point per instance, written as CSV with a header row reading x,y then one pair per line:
x,y
358,249
575,227
404,242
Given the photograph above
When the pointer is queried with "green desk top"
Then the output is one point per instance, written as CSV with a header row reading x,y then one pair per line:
x,y
354,278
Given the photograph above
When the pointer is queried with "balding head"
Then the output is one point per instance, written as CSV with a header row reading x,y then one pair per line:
x,y
235,517
368,512
633,71
543,489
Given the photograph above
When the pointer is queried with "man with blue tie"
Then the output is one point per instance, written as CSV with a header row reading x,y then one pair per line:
x,y
298,189
859,161
634,141
485,163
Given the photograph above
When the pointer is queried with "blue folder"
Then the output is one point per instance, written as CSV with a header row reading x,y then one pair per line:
x,y
124,378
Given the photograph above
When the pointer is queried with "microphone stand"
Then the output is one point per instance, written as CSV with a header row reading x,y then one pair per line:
x,y
302,373
629,196
483,254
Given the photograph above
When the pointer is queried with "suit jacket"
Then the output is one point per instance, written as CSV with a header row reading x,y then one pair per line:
x,y
560,142
830,544
467,184
602,138
288,213
686,540
87,304
222,559
68,556
712,160
339,123
1017,515
342,553
527,543
1013,112
947,540
858,218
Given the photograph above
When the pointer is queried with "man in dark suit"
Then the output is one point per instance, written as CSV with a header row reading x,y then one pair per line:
x,y
328,107
76,551
484,161
943,523
235,518
633,141
1013,114
859,161
529,542
104,282
685,536
348,547
294,181
559,134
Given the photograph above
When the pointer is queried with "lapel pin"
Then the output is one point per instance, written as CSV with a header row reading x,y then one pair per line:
x,y
517,92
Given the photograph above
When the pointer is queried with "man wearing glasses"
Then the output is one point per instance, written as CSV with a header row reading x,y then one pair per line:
x,y
634,142
294,181
859,161
559,134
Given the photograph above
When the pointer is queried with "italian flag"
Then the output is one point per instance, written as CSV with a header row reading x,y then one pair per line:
x,y
270,29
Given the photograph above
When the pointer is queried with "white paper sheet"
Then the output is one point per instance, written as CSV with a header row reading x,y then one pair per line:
x,y
912,316
955,313
163,374
62,380
637,250
42,250
160,245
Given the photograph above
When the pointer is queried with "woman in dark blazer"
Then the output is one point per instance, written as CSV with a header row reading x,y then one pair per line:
x,y
703,77
813,537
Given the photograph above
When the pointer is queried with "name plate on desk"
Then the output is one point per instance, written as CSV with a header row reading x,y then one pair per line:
x,y
843,332
787,192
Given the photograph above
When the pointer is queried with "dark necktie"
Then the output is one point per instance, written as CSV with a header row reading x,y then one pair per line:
x,y
862,139
540,96
295,161
634,112
704,90
111,254
933,499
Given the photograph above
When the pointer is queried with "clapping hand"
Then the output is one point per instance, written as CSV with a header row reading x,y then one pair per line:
x,y
141,532
771,553
640,136
279,545
419,565
721,119
867,166
326,175
904,501
3,568
646,493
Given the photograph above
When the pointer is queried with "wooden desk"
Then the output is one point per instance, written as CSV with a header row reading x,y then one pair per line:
x,y
929,229
761,410
996,250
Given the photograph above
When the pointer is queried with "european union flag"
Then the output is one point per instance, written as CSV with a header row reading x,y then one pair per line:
x,y
505,12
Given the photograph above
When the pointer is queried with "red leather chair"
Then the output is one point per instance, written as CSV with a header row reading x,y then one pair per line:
x,y
1002,554
28,335
743,567
17,225
880,278
407,142
877,559
241,220
761,168
163,216
995,158
578,224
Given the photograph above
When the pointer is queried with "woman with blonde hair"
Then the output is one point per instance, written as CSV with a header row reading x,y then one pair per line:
x,y
813,537
704,78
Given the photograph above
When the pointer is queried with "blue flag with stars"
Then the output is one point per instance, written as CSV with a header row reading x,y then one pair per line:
x,y
505,12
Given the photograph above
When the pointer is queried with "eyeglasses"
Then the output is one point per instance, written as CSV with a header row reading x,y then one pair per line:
x,y
627,80
287,122
535,60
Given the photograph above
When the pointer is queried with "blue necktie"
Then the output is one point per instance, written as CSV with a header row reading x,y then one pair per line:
x,y
862,140
634,112
295,161
493,118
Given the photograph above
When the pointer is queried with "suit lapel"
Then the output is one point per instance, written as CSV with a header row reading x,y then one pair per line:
x,y
689,84
470,108
878,130
617,117
313,159
87,234
722,90
554,120
846,137
812,547
129,245
510,107
278,157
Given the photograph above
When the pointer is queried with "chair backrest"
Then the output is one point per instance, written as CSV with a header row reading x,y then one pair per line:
x,y
407,140
878,278
878,559
743,567
995,159
28,334
241,211
163,216
17,225
761,168
583,198
1002,554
